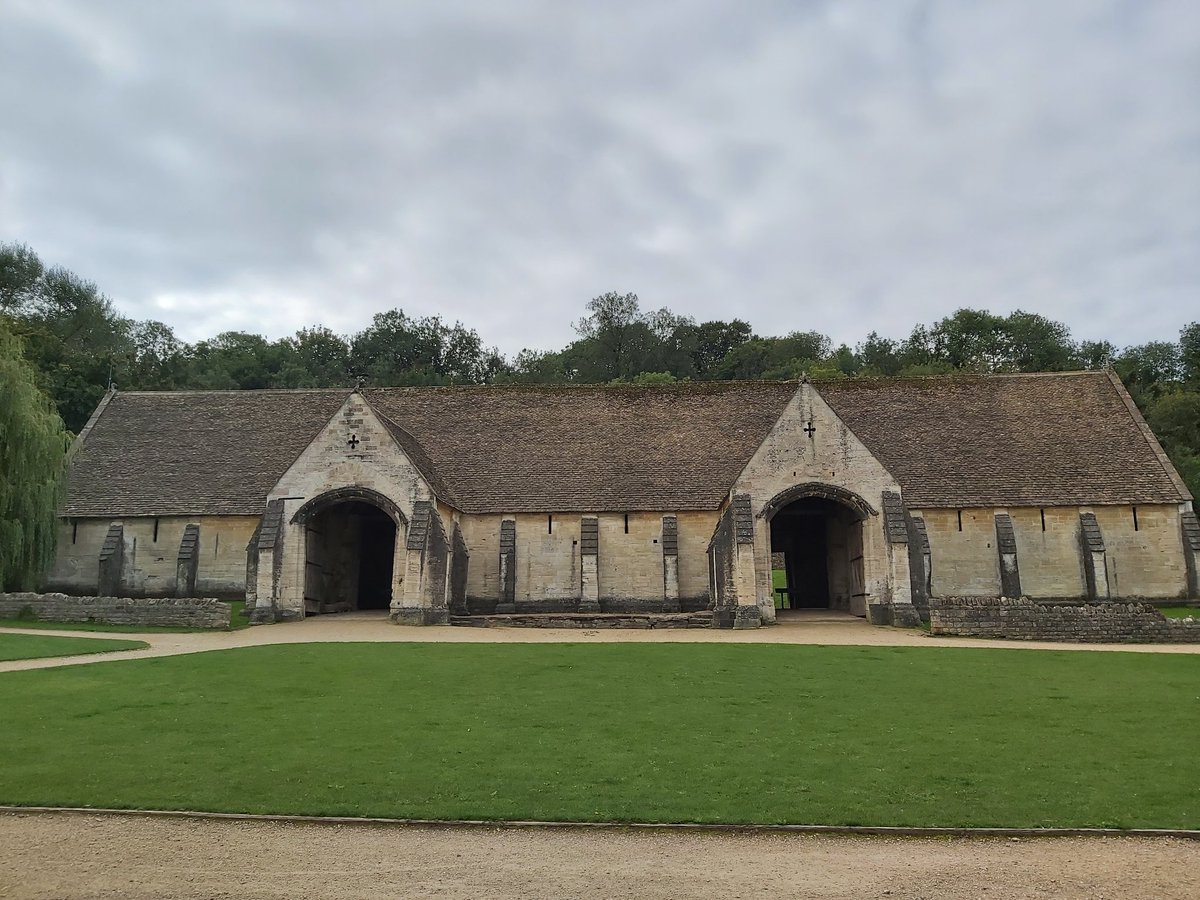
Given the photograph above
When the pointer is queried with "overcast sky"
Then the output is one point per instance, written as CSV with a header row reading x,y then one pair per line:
x,y
840,166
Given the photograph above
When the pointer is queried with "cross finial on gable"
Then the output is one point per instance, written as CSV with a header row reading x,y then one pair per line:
x,y
359,382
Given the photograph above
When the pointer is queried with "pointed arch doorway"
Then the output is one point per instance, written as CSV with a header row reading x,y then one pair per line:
x,y
351,541
817,549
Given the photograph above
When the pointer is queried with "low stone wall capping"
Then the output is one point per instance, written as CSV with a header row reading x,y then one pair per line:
x,y
191,612
1104,622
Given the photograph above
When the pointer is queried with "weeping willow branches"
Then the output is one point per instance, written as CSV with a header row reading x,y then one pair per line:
x,y
33,448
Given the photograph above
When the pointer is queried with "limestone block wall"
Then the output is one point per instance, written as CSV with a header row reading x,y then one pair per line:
x,y
965,563
1142,561
1048,550
190,612
548,558
150,568
1115,622
1147,561
630,568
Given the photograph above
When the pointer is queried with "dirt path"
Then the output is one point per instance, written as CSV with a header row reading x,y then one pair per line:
x,y
824,628
72,856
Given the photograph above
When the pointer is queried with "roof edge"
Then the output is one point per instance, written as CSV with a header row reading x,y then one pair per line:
x,y
91,422
1149,436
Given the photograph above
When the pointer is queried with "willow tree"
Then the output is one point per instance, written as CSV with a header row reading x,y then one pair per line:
x,y
33,445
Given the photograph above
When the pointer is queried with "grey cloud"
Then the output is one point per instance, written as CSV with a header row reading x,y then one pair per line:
x,y
846,167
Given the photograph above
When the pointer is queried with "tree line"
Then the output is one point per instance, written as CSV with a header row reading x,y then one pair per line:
x,y
75,344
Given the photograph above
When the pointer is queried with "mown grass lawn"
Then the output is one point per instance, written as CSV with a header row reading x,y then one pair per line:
x,y
662,732
37,646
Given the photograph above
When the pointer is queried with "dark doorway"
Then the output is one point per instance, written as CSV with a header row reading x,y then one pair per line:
x,y
816,555
351,548
377,543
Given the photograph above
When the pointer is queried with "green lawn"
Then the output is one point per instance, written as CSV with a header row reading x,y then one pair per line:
x,y
1180,612
36,646
237,619
661,732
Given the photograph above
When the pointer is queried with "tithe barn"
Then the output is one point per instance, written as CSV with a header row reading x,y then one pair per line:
x,y
738,501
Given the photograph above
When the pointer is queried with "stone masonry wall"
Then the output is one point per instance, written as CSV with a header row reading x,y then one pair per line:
x,y
1111,622
190,612
152,554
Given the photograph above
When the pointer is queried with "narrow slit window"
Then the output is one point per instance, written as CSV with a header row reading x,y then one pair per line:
x,y
1135,521
216,544
627,523
550,524
155,538
1043,512
960,520
74,531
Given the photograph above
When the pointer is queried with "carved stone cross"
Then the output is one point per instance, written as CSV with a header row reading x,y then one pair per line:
x,y
809,429
354,442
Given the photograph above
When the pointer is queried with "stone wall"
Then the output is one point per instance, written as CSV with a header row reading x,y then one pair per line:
x,y
152,546
190,612
1110,622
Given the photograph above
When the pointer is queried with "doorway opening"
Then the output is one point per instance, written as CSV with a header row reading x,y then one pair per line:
x,y
350,551
817,556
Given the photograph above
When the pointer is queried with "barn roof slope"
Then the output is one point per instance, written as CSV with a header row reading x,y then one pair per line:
x,y
1041,440
1069,439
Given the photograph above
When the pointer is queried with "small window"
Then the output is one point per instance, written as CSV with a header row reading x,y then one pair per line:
x,y
550,524
1043,512
155,538
216,544
74,530
627,523
1135,521
960,520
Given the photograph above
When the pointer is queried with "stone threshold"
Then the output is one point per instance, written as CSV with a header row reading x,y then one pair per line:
x,y
702,619
747,828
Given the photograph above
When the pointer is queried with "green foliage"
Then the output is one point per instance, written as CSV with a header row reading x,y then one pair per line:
x,y
678,733
33,445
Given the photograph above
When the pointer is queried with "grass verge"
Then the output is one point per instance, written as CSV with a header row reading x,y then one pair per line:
x,y
673,733
1180,612
38,646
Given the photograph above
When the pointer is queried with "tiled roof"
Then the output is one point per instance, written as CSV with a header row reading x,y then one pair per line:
x,y
557,449
1007,440
483,449
1037,440
193,453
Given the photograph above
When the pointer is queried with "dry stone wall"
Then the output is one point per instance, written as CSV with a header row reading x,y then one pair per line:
x,y
1107,622
191,612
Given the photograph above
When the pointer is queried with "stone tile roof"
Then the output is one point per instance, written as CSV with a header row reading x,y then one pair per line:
x,y
192,453
1040,440
528,448
483,449
1008,440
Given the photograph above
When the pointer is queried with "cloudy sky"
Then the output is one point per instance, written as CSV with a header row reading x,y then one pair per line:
x,y
840,166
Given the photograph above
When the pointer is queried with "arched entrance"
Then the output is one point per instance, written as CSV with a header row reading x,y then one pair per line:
x,y
817,549
349,551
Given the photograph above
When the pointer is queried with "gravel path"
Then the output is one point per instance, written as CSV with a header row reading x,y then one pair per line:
x,y
819,628
74,856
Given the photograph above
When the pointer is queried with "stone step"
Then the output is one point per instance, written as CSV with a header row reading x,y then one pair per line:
x,y
702,619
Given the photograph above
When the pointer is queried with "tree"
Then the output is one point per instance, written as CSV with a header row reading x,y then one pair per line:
x,y
1189,353
712,341
33,446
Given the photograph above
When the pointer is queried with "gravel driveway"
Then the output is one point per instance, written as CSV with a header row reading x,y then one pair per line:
x,y
81,856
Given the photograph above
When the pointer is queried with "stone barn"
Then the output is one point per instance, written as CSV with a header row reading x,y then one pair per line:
x,y
737,500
